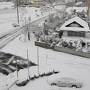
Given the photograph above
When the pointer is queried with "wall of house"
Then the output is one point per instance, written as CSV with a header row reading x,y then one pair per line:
x,y
87,35
65,34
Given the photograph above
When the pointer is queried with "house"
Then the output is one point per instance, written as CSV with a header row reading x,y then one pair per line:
x,y
75,27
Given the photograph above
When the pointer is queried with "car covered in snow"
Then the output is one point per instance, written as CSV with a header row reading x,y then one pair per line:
x,y
66,82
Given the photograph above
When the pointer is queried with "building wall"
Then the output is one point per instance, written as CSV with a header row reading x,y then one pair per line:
x,y
65,34
88,35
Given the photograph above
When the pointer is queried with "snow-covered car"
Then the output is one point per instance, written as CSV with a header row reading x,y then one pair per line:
x,y
66,82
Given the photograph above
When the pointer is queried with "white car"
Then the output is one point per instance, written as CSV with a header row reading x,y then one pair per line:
x,y
67,82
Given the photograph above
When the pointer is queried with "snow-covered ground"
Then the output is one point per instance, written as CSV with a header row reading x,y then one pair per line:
x,y
6,5
68,65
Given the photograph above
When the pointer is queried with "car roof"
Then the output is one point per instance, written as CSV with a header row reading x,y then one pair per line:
x,y
66,79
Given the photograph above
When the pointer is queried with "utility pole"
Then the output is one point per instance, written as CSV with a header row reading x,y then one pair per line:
x,y
29,19
28,65
17,68
17,11
38,58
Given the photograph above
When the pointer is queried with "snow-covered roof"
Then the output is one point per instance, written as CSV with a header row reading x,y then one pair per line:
x,y
83,25
78,9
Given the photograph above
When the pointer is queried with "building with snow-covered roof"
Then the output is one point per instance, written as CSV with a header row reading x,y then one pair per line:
x,y
77,9
75,27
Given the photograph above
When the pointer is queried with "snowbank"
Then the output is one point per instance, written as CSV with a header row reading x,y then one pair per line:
x,y
23,75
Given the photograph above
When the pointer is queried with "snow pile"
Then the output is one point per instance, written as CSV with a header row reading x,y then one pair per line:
x,y
32,72
23,75
42,70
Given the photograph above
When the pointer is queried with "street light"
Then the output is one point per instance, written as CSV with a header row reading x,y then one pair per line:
x,y
17,11
28,65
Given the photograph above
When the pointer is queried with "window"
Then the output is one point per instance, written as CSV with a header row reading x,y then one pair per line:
x,y
78,34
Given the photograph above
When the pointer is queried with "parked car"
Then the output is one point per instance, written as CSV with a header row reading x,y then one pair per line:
x,y
67,82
